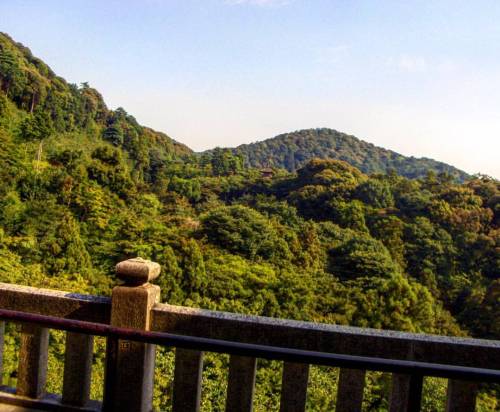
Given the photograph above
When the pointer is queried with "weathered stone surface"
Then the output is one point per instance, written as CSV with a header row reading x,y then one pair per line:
x,y
400,391
350,390
294,387
324,337
131,364
10,402
2,337
77,369
135,306
187,380
137,271
461,396
241,385
406,393
32,369
55,303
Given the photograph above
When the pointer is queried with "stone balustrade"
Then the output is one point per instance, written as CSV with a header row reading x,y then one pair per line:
x,y
130,364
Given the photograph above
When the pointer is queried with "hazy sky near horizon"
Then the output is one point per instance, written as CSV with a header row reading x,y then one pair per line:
x,y
418,77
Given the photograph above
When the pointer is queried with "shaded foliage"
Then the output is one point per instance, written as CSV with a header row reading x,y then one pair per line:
x,y
83,187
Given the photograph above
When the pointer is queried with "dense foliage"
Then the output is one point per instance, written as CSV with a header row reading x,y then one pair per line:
x,y
293,150
83,187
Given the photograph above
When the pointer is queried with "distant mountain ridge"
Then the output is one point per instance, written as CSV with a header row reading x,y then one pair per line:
x,y
44,105
292,150
83,187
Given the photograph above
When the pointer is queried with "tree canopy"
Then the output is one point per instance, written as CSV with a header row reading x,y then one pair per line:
x,y
342,240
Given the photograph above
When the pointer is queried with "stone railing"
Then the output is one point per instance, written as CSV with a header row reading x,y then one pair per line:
x,y
133,321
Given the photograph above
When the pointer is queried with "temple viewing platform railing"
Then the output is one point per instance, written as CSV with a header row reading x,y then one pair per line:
x,y
133,322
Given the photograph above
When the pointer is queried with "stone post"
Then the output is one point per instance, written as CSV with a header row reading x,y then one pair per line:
x,y
130,365
32,369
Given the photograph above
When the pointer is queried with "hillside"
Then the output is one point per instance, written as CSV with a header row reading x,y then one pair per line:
x,y
46,105
83,187
292,150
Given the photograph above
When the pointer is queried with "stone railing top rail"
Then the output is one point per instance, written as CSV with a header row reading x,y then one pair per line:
x,y
55,303
40,300
263,330
171,312
135,305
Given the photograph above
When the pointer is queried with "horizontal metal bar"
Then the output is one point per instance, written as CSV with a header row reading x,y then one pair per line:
x,y
259,351
323,337
179,317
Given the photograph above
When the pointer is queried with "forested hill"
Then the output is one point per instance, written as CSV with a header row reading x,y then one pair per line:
x,y
51,106
292,150
83,187
57,107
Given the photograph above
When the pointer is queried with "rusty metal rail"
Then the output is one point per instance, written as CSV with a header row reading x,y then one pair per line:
x,y
134,322
258,351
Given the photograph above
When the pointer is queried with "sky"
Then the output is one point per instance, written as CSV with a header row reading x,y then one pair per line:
x,y
418,77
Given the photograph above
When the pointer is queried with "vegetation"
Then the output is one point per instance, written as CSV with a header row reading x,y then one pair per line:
x,y
83,187
292,151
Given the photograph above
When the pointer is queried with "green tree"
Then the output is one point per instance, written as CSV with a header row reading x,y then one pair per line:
x,y
224,163
171,279
114,135
376,193
390,231
11,75
194,274
362,257
347,214
37,126
240,229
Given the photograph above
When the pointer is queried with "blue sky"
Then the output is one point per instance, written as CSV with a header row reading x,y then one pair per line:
x,y
418,77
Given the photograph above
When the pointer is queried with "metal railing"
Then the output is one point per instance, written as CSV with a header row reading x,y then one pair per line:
x,y
133,329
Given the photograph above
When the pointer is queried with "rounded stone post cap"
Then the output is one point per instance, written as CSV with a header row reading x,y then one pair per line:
x,y
137,271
